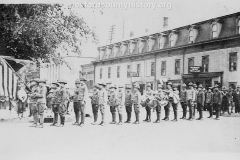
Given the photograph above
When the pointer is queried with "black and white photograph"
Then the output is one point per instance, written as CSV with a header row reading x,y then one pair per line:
x,y
120,80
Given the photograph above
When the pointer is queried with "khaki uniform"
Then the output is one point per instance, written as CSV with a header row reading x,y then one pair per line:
x,y
103,98
128,105
136,104
148,94
32,100
95,104
190,101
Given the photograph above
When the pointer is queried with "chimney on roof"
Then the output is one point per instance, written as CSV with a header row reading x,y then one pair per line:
x,y
165,22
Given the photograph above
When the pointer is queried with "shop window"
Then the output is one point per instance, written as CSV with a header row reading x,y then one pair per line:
x,y
101,70
153,69
118,72
109,72
205,63
128,70
163,68
233,61
177,67
190,63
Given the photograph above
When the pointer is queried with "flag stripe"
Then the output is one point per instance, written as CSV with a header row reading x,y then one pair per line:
x,y
10,82
5,76
1,81
15,80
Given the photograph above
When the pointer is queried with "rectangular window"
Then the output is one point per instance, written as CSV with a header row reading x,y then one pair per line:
x,y
153,69
190,63
101,70
163,68
118,72
109,72
138,69
177,66
205,63
214,31
191,36
232,61
128,70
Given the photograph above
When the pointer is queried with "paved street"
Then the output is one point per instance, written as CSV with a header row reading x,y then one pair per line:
x,y
147,140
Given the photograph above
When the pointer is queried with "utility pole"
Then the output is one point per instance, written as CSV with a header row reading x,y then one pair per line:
x,y
111,33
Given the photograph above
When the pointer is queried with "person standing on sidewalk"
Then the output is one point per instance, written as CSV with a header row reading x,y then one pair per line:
x,y
200,101
190,100
160,97
225,101
183,100
62,99
95,103
195,102
169,91
136,102
112,103
208,101
217,100
128,103
55,104
149,96
32,100
120,102
41,103
22,97
236,99
103,98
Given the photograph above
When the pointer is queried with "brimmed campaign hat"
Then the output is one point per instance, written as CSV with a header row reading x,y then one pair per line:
x,y
149,85
41,81
190,84
113,86
82,79
128,87
56,83
96,86
120,86
136,85
62,81
184,85
160,86
200,86
77,81
102,84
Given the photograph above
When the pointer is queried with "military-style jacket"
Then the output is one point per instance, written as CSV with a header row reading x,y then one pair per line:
x,y
191,95
41,94
128,99
95,97
120,98
103,97
217,97
209,97
230,96
112,99
61,96
80,94
183,96
236,96
200,97
137,98
32,98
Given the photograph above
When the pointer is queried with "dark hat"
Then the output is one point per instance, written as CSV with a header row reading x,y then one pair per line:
x,y
190,84
41,81
62,81
82,79
56,83
224,88
102,84
120,86
113,86
77,81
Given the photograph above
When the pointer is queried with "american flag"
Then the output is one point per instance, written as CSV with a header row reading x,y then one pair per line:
x,y
8,80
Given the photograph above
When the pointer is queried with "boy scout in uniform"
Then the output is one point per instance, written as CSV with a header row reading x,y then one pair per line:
x,y
175,104
95,103
136,102
41,103
200,101
183,100
195,102
112,103
236,99
103,98
32,100
128,103
160,95
225,100
217,100
120,102
148,95
54,102
208,101
190,100
170,101
61,99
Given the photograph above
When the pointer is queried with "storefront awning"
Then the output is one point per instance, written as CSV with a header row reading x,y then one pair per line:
x,y
201,76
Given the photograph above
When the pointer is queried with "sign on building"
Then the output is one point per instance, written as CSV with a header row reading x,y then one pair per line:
x,y
195,69
134,74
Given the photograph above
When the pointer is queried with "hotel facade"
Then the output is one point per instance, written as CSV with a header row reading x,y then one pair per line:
x,y
204,53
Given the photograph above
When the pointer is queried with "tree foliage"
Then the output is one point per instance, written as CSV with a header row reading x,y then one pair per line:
x,y
36,31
